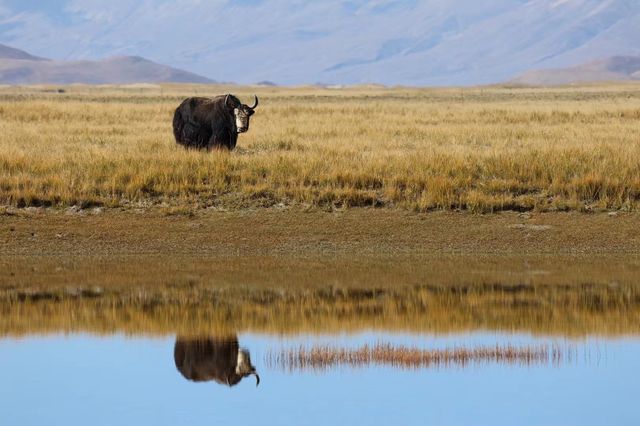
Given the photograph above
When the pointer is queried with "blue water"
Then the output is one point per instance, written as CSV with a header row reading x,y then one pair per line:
x,y
118,380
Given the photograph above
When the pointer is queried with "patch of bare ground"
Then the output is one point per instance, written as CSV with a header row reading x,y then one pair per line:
x,y
289,232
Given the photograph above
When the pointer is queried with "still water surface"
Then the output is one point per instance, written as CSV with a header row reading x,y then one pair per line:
x,y
115,380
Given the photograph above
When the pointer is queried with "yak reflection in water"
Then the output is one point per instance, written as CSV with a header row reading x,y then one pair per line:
x,y
213,358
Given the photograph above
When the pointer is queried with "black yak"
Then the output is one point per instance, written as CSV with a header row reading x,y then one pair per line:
x,y
211,123
218,359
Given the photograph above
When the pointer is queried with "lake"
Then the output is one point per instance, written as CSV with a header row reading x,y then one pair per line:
x,y
134,379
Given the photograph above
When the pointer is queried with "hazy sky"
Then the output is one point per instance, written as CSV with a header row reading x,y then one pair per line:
x,y
296,41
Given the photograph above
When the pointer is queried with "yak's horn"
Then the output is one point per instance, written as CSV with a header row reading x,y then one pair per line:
x,y
257,379
256,103
226,100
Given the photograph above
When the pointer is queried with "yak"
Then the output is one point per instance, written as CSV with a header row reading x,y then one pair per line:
x,y
211,123
213,358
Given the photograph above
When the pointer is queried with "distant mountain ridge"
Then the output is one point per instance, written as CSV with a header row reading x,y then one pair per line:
x,y
333,42
20,67
8,52
615,68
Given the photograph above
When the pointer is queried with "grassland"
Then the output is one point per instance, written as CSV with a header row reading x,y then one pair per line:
x,y
482,149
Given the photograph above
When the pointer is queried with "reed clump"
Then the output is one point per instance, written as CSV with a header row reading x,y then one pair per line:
x,y
490,149
321,358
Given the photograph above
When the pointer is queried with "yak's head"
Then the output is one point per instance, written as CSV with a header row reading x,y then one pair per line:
x,y
244,367
242,113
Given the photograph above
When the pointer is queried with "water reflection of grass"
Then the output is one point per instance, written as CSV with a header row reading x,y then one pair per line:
x,y
326,357
554,309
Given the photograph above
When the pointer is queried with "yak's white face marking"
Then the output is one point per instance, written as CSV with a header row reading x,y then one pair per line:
x,y
242,120
243,363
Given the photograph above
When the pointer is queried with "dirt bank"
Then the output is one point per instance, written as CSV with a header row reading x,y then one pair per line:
x,y
290,232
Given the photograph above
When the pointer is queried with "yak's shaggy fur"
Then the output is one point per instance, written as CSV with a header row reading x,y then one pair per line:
x,y
207,122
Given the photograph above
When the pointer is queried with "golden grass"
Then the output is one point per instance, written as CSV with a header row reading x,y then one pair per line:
x,y
322,358
481,149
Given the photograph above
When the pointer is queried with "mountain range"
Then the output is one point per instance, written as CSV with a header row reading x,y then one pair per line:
x,y
20,67
404,42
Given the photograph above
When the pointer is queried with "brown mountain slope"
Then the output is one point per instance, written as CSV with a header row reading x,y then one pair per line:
x,y
615,68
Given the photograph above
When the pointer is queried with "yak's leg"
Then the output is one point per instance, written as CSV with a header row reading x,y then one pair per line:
x,y
220,139
212,144
233,139
229,140
215,142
